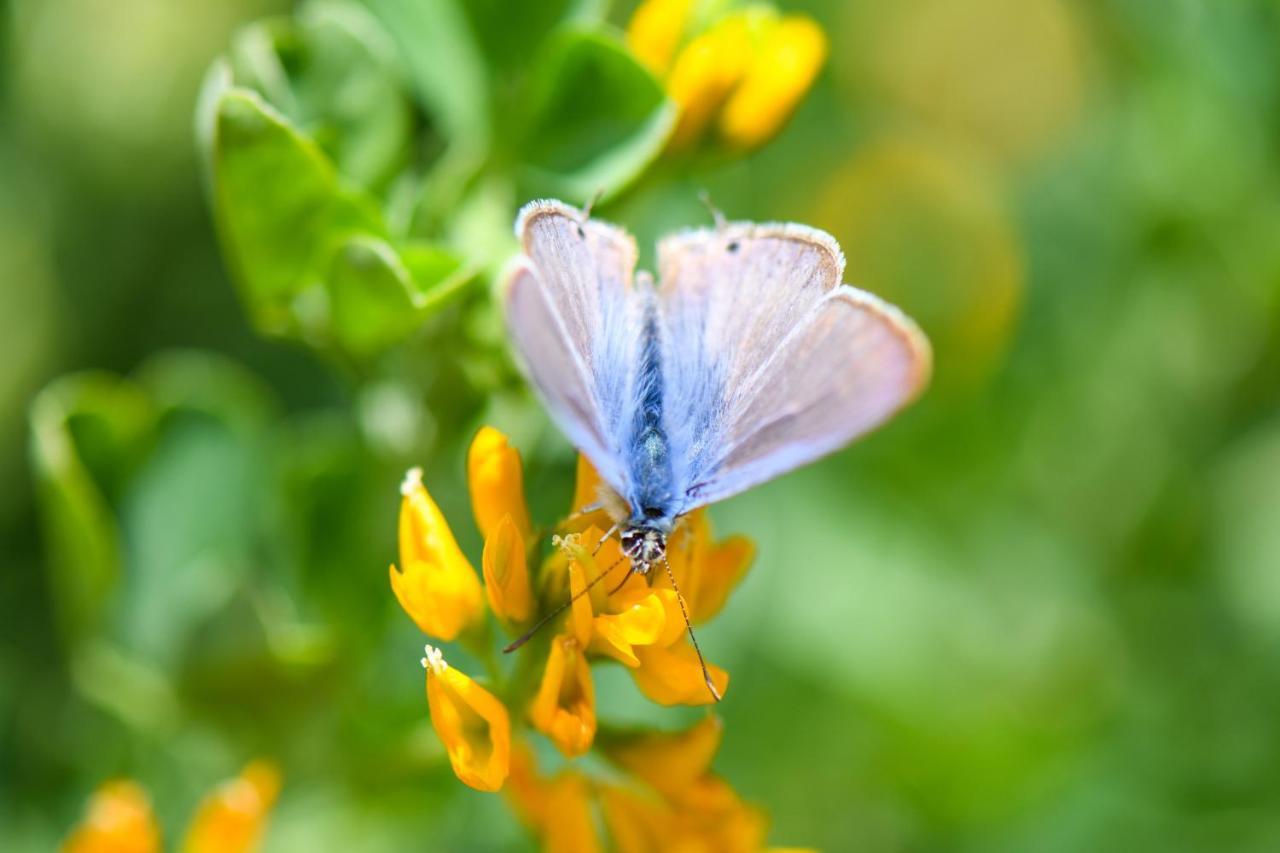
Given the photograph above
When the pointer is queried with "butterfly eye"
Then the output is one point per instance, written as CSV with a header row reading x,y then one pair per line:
x,y
652,512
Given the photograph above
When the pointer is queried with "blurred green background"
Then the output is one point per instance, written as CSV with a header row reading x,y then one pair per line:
x,y
1039,611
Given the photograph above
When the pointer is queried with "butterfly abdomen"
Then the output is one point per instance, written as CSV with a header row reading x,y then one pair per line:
x,y
649,453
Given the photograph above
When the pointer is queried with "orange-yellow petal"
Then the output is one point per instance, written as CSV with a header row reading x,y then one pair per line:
x,y
637,823
782,71
640,621
706,570
496,480
655,30
711,816
526,790
232,818
471,722
723,565
506,573
671,762
438,588
704,74
671,675
580,612
565,706
118,820
569,827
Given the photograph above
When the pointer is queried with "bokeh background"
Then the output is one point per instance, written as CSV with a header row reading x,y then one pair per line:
x,y
1040,611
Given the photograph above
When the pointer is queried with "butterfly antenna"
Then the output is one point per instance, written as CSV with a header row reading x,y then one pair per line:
x,y
684,611
705,198
528,635
592,202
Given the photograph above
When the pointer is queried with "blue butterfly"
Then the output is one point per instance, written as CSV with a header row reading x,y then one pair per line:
x,y
748,359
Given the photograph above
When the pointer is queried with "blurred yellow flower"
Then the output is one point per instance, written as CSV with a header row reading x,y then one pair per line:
x,y
565,706
655,31
471,722
670,762
750,67
119,820
496,480
438,588
569,827
232,818
789,57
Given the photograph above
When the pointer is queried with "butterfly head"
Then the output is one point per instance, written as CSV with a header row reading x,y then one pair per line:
x,y
643,545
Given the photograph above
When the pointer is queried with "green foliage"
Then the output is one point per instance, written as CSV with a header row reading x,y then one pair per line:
x,y
344,147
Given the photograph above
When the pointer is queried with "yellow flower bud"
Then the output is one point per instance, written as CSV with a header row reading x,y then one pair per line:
x,y
438,588
232,818
119,820
471,722
506,573
496,480
565,707
784,67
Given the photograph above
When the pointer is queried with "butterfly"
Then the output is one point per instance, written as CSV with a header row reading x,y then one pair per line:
x,y
748,358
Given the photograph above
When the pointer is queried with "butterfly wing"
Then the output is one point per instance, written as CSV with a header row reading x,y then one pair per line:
x,y
569,306
770,362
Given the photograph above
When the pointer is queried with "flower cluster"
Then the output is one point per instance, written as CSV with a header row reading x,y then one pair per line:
x,y
625,619
231,819
744,71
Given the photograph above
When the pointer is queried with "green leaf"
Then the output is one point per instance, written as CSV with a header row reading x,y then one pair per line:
x,y
280,207
378,296
597,118
87,431
444,63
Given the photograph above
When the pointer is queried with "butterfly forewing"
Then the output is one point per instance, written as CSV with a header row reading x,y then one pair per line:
x,y
570,309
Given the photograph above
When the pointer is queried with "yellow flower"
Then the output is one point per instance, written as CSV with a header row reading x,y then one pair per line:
x,y
119,820
784,67
655,30
232,818
506,573
643,626
438,587
706,814
746,71
496,481
471,722
565,706
558,809
229,820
